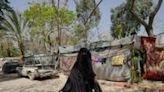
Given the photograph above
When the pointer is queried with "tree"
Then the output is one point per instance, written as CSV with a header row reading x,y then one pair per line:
x,y
148,26
57,6
8,49
43,22
88,16
39,17
124,23
14,25
4,5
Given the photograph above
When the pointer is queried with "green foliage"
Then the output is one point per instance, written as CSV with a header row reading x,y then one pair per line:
x,y
67,16
11,52
118,31
121,15
84,9
2,34
14,51
40,15
72,41
4,5
43,20
8,49
79,31
14,26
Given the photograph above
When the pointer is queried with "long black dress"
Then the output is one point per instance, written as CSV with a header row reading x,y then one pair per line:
x,y
82,77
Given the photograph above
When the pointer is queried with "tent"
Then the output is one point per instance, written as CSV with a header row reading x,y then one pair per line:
x,y
105,55
111,63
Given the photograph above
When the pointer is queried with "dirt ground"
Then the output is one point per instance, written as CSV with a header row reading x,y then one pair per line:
x,y
13,83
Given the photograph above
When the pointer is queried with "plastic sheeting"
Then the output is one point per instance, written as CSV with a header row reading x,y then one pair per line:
x,y
67,61
123,41
118,60
160,41
102,53
154,59
114,73
97,45
71,49
117,42
102,64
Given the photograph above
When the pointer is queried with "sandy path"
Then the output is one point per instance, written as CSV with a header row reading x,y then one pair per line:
x,y
55,84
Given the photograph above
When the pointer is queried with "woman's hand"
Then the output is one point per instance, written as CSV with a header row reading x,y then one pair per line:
x,y
93,90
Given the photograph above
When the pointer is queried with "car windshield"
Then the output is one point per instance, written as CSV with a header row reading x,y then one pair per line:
x,y
37,62
32,62
28,62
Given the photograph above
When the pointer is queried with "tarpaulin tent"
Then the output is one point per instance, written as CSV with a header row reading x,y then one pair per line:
x,y
105,55
115,67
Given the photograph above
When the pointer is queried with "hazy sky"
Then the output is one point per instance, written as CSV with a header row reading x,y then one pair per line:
x,y
105,7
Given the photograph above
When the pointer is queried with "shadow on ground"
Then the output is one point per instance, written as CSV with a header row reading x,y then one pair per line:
x,y
7,77
48,78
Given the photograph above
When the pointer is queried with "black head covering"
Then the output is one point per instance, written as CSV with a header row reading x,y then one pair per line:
x,y
82,77
84,63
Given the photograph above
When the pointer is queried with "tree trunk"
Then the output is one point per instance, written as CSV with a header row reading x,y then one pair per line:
x,y
45,47
149,31
21,46
86,38
148,26
8,52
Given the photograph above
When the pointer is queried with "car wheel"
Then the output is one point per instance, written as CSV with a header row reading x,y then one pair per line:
x,y
31,76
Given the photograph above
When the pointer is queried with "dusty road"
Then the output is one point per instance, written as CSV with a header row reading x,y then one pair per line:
x,y
13,83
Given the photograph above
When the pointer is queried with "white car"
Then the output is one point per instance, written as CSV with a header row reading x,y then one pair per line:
x,y
34,69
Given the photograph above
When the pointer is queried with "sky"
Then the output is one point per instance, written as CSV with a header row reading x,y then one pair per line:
x,y
105,22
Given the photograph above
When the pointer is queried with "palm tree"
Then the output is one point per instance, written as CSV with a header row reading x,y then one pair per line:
x,y
5,45
4,5
14,25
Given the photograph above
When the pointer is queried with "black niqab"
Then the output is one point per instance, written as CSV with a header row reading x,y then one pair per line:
x,y
84,64
82,76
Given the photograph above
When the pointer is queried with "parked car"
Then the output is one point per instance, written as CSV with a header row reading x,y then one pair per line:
x,y
9,66
34,69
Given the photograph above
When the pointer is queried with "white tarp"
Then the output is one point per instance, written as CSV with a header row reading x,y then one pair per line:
x,y
109,72
103,70
160,41
71,49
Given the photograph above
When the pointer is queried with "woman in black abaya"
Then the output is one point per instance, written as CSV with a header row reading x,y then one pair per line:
x,y
82,76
